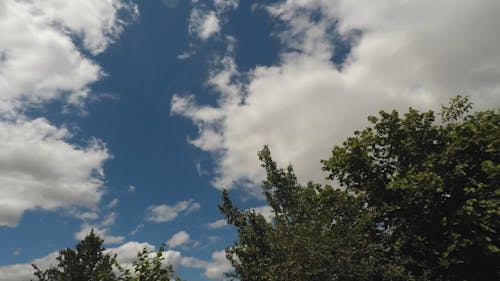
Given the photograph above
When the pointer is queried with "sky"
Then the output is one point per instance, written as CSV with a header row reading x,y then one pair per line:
x,y
129,117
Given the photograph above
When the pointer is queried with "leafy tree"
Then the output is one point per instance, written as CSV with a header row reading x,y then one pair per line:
x,y
150,268
435,188
418,200
317,233
87,262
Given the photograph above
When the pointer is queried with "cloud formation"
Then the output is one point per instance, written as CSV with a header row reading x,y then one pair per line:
x,y
165,213
126,254
57,68
213,269
217,224
21,272
178,239
41,61
402,54
102,229
40,169
205,22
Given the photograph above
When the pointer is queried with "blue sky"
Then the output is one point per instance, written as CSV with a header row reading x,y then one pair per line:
x,y
129,116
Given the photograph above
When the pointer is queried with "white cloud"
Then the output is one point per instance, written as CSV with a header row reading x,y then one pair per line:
x,y
112,203
40,62
109,219
101,230
39,169
21,272
219,265
178,239
214,269
83,215
218,224
57,68
203,24
164,213
265,211
126,255
403,54
136,229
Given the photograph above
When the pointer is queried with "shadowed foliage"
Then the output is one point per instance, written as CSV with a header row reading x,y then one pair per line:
x,y
416,199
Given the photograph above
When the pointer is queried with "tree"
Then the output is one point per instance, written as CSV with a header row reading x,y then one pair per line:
x,y
150,268
417,200
317,233
87,262
435,188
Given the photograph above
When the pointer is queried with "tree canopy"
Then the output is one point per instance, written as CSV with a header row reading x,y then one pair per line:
x,y
415,199
90,262
87,262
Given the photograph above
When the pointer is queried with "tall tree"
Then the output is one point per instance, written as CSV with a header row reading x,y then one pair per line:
x,y
417,200
316,233
435,186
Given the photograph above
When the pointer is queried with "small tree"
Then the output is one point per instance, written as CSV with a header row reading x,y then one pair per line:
x,y
149,267
87,262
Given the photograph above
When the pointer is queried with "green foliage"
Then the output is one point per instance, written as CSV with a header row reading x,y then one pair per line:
x,y
317,233
417,201
457,108
435,187
150,268
87,262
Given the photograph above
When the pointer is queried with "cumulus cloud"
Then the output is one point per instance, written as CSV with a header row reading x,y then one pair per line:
x,y
40,169
164,213
213,269
40,61
178,239
21,272
57,68
403,54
